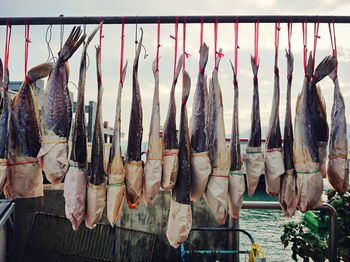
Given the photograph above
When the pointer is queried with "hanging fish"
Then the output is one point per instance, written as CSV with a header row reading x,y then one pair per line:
x,y
180,214
305,147
170,142
274,166
4,125
153,166
216,193
236,178
96,191
201,168
254,159
25,177
319,118
76,177
57,113
134,167
116,176
288,192
338,167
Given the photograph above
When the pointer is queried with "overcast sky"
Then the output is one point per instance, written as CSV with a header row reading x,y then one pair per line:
x,y
111,50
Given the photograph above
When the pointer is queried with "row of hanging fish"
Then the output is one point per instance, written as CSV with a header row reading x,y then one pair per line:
x,y
193,163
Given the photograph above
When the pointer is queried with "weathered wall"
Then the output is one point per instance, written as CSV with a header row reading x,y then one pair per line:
x,y
152,219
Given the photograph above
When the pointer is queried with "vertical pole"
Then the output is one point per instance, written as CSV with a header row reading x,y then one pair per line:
x,y
236,241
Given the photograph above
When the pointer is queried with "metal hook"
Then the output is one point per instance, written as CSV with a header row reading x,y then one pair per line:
x,y
62,32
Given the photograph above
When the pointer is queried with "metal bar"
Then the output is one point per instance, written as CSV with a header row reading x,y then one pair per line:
x,y
332,248
73,20
221,229
218,251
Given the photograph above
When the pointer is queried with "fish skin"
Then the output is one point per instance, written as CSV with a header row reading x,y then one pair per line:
x,y
199,136
79,136
181,190
5,115
57,108
116,146
274,138
25,129
305,144
97,170
170,140
338,169
288,126
235,146
135,126
255,133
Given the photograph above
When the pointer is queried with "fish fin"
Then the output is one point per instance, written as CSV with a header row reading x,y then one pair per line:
x,y
327,66
309,68
1,71
39,71
298,103
178,68
72,44
255,67
91,36
154,66
321,101
138,49
234,72
186,86
124,70
203,56
290,63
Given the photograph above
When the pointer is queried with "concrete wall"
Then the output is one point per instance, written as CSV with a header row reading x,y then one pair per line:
x,y
152,219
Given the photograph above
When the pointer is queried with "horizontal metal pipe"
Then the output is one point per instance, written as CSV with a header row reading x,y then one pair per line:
x,y
73,20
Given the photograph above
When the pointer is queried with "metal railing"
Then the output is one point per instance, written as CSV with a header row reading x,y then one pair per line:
x,y
170,19
332,245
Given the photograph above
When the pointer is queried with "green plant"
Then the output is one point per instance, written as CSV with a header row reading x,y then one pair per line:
x,y
306,244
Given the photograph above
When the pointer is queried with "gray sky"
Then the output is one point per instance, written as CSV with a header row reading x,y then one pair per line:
x,y
111,49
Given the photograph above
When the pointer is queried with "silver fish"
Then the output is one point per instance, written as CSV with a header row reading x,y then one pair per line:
x,y
57,113
338,168
199,137
288,192
134,168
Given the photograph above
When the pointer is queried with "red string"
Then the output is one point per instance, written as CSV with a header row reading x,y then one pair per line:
x,y
121,53
236,48
201,34
316,36
175,46
304,28
333,38
26,46
290,27
256,42
101,36
277,39
7,43
158,45
185,54
216,53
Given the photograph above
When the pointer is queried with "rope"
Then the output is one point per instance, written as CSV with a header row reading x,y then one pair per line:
x,y
256,41
216,53
7,44
26,48
235,59
304,28
277,40
316,36
121,53
101,36
158,45
175,37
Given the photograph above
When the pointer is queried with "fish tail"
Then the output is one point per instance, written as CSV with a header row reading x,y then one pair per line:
x,y
290,63
186,84
327,66
203,58
124,71
72,44
255,67
91,36
1,71
178,68
39,71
